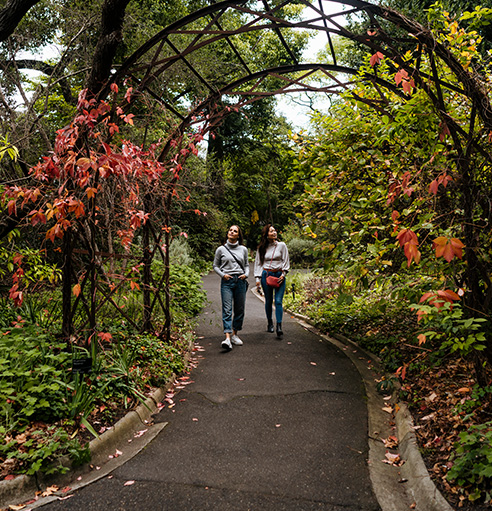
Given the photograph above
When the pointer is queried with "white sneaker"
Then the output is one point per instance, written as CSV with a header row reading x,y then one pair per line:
x,y
226,345
235,340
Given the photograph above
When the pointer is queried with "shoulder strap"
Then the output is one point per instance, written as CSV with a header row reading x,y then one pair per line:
x,y
235,258
274,248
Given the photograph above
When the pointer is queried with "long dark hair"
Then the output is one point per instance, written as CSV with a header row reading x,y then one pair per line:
x,y
262,247
240,238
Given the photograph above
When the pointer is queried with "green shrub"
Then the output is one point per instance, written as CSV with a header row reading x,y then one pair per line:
x,y
31,362
187,294
472,464
180,253
301,251
186,289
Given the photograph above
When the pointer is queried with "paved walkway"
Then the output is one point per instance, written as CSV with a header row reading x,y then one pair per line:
x,y
271,425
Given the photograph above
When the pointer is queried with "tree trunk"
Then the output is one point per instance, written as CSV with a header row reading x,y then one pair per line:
x,y
110,37
11,14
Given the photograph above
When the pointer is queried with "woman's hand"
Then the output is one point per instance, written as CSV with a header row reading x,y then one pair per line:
x,y
227,277
281,278
243,277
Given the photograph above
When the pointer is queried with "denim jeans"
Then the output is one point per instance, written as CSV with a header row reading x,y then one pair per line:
x,y
233,294
279,296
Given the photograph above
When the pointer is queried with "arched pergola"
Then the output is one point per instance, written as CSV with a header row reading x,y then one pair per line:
x,y
173,68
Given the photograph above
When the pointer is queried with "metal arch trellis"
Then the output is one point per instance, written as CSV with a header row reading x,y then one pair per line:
x,y
183,45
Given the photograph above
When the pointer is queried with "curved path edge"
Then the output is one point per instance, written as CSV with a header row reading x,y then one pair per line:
x,y
109,451
397,488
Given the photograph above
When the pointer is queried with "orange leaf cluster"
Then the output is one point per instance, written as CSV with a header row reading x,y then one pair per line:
x,y
448,248
407,83
397,187
376,58
439,298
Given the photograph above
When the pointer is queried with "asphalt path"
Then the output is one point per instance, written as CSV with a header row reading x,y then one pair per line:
x,y
272,425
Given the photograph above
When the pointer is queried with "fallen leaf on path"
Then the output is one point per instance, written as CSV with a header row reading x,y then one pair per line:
x,y
391,442
387,409
393,459
49,491
129,483
313,363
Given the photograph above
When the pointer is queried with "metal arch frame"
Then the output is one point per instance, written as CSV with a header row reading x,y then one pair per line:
x,y
157,65
294,76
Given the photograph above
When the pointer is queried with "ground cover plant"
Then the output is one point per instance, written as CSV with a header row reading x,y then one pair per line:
x,y
47,410
451,410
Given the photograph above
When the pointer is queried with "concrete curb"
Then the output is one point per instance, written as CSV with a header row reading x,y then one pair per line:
x,y
422,489
23,488
396,488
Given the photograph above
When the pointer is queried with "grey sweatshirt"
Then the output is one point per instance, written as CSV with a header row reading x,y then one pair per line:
x,y
224,262
280,259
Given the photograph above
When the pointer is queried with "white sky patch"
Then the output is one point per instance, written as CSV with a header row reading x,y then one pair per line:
x,y
298,107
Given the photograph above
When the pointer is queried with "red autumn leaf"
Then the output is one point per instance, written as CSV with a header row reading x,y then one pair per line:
x,y
376,58
448,248
105,336
91,192
37,217
76,290
406,236
408,86
12,207
401,75
448,295
129,119
83,163
128,94
433,187
412,253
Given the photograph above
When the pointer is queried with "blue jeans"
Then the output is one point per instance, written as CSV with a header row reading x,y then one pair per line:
x,y
279,296
233,294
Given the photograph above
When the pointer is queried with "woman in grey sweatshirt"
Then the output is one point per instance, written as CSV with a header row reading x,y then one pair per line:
x,y
231,264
